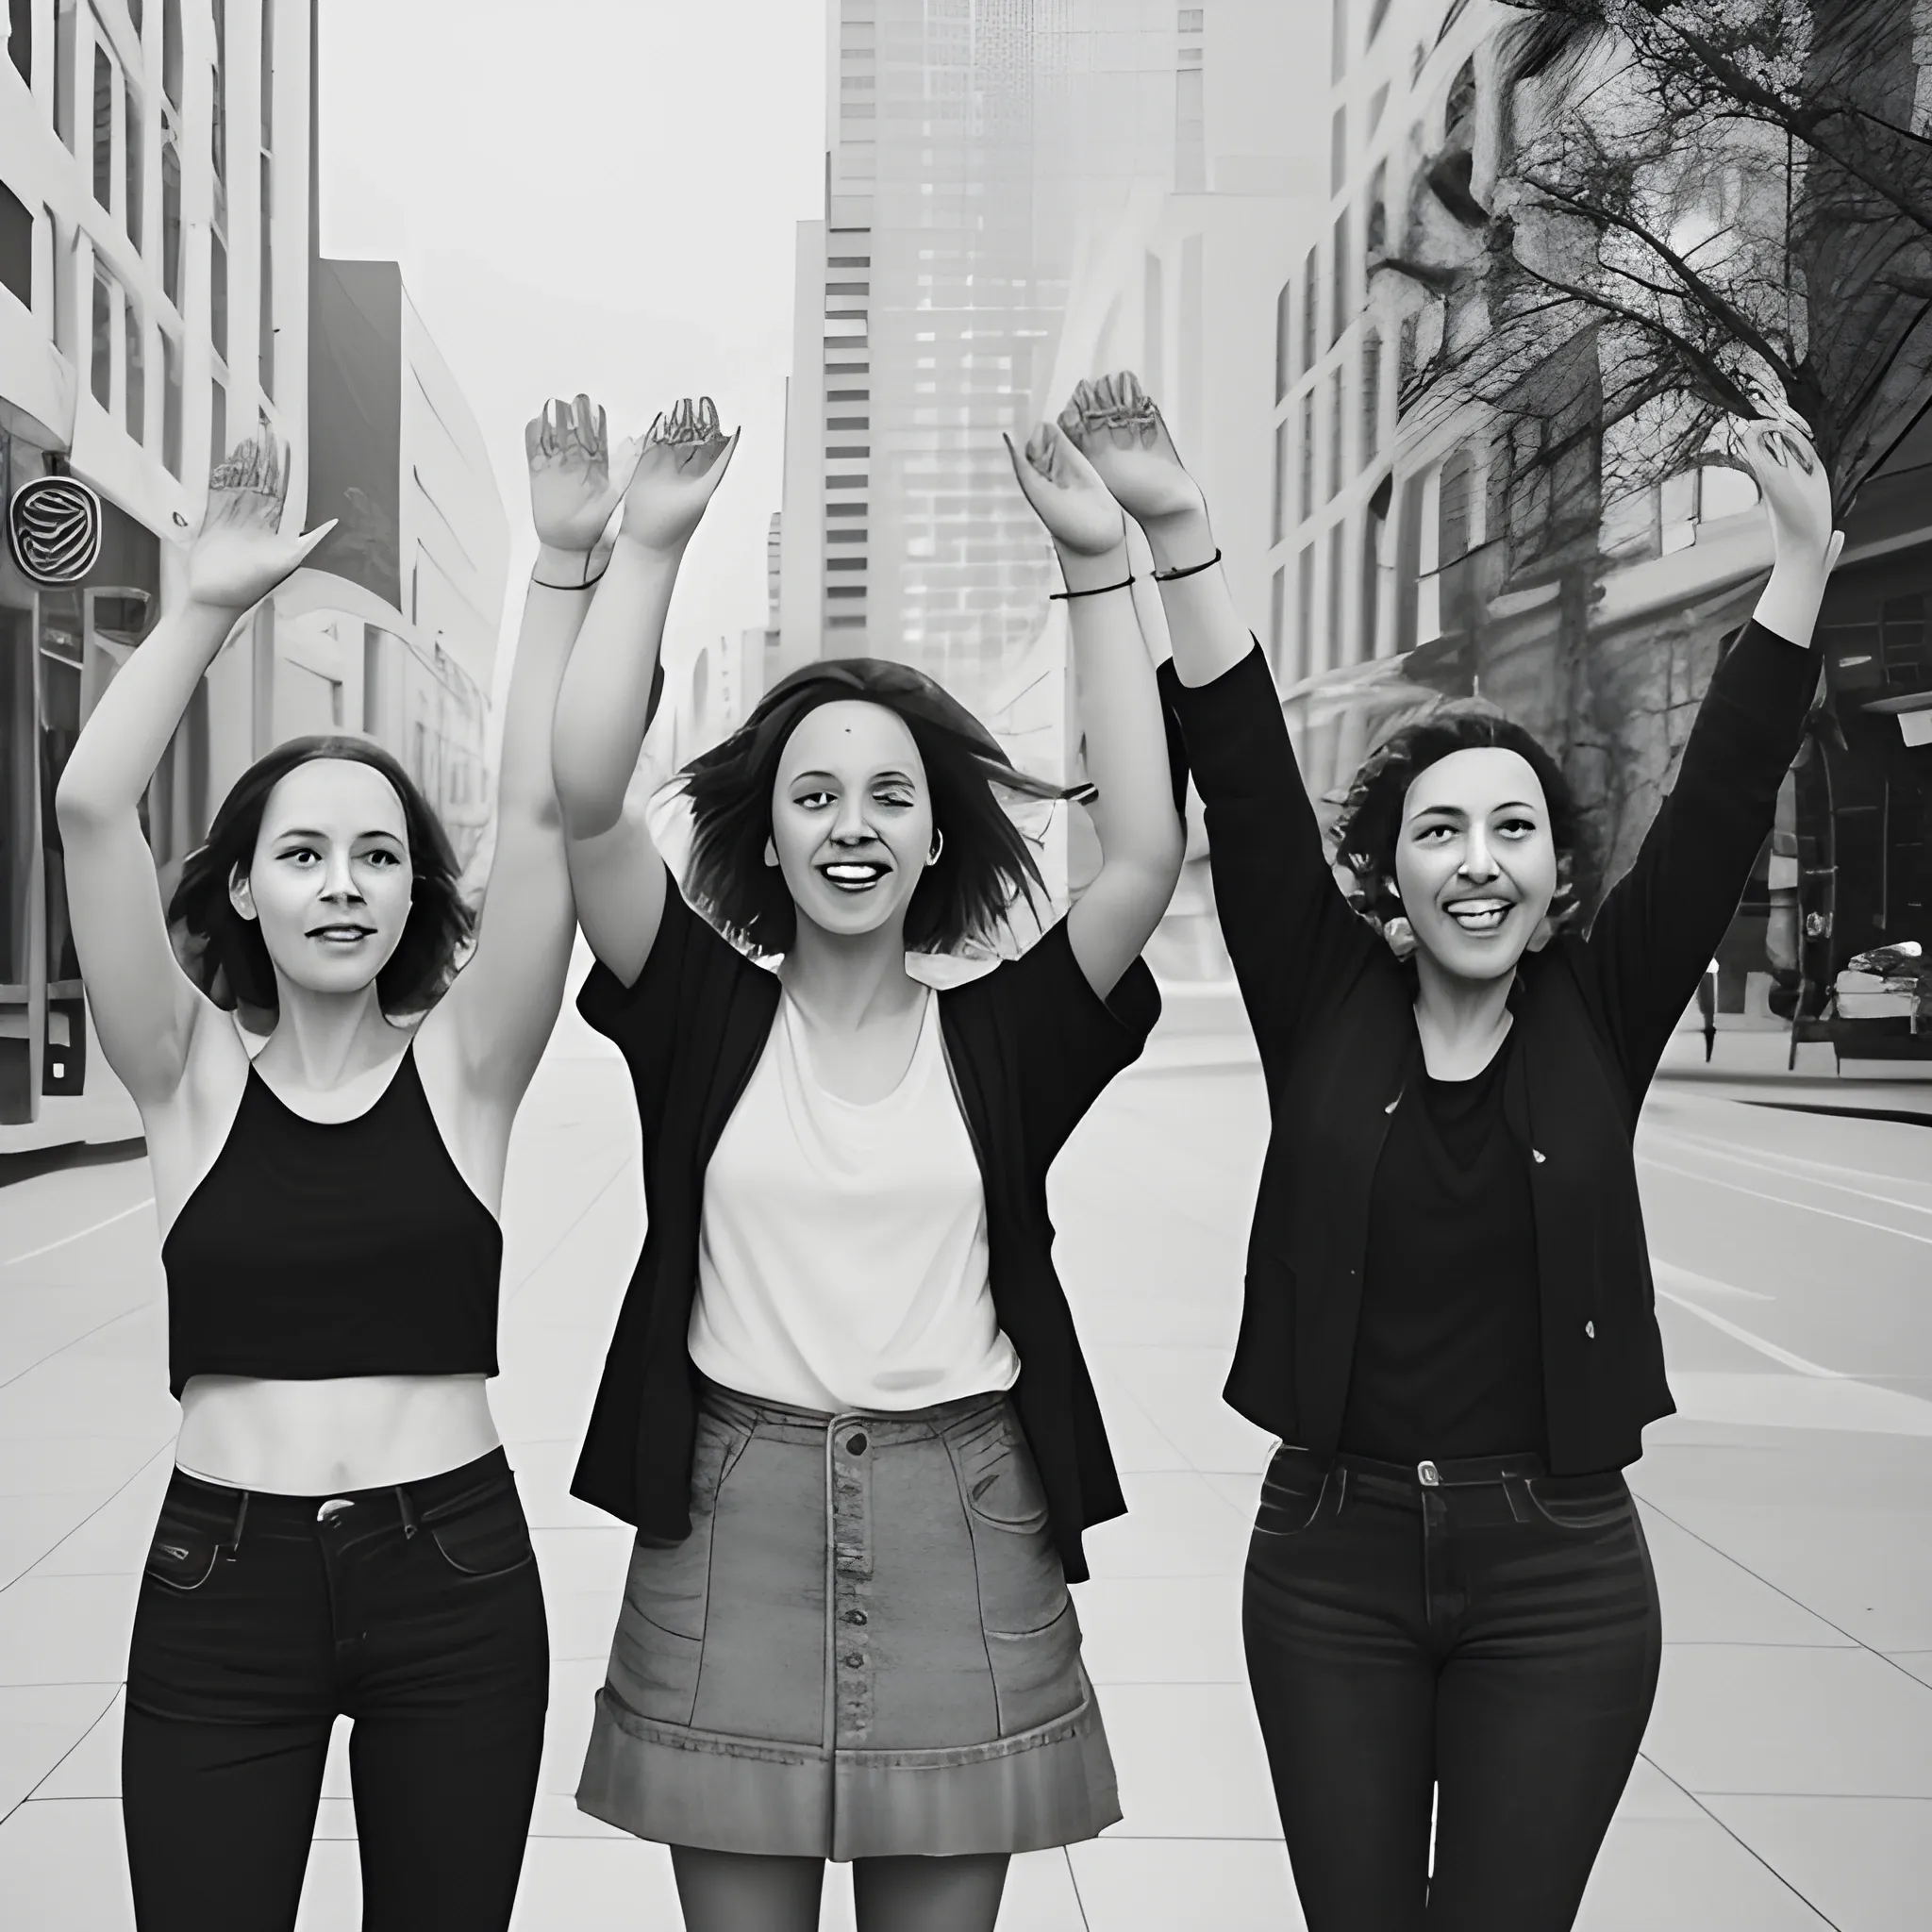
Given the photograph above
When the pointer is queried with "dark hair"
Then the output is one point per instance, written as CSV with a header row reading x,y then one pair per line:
x,y
1370,821
225,954
983,867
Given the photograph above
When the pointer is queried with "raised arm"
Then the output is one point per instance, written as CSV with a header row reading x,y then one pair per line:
x,y
1140,837
1653,935
504,1003
1284,918
616,873
145,1008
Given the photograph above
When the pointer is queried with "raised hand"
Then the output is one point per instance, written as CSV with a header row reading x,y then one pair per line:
x,y
1115,425
238,554
680,463
1068,497
1797,493
576,477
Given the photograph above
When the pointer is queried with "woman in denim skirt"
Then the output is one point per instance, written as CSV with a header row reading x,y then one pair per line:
x,y
845,1406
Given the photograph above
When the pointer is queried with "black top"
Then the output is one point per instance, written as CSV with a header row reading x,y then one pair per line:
x,y
1448,1352
314,1249
1333,1016
1030,1046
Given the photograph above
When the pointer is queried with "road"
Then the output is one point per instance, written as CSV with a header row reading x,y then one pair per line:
x,y
1787,1779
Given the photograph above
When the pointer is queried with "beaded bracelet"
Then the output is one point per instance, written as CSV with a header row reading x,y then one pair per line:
x,y
1168,577
1098,591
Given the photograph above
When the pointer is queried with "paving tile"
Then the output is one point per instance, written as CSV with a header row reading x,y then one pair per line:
x,y
29,1528
1180,1389
1863,1863
113,1540
1190,1761
66,1630
91,1766
1163,1630
1919,1662
1650,1794
1669,1874
42,1726
1178,1523
90,1467
1139,1885
1709,1598
63,1868
1802,1722
585,1559
75,1393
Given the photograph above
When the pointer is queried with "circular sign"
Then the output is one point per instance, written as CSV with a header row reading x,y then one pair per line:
x,y
54,529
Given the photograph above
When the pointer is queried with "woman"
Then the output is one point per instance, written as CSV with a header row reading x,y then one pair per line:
x,y
1449,1318
845,1406
341,1535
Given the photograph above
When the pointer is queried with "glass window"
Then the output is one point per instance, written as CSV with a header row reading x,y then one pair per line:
x,y
65,29
1277,618
1337,576
1458,128
1303,612
217,421
268,281
1280,520
1452,515
1336,419
1377,14
104,128
268,72
171,222
134,380
217,295
1284,346
101,363
1342,290
16,247
1371,396
61,305
171,404
171,51
20,38
132,138
1307,496
1375,235
1338,150
218,130
1338,40
1312,307
136,13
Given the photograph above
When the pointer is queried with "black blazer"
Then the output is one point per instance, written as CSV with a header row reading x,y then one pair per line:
x,y
1333,1015
1030,1047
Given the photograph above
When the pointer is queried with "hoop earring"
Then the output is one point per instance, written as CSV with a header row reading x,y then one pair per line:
x,y
938,845
771,854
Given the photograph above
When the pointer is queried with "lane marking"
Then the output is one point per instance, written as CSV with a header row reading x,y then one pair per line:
x,y
34,1254
1791,1167
1763,1347
1710,1180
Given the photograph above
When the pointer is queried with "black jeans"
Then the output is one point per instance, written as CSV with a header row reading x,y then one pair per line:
x,y
417,1613
1493,1642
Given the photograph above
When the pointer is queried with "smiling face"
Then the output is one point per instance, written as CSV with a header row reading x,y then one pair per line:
x,y
330,880
1475,863
852,822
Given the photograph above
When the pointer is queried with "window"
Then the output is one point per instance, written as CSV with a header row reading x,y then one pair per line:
x,y
171,404
16,247
1450,19
217,295
1452,511
1338,150
267,345
219,113
217,421
1373,525
134,374
1303,611
1307,479
170,220
1459,120
1376,16
64,33
1190,20
171,51
1152,348
1277,618
1371,396
1337,418
1342,277
1284,346
61,305
1376,233
268,73
1338,40
135,13
20,38
101,363
104,128
1312,307
131,141
1338,577
1280,519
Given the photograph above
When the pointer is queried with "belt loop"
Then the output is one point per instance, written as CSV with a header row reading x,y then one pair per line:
x,y
409,1512
234,1534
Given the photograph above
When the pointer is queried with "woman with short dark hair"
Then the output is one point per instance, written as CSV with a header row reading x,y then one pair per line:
x,y
1449,1320
845,1406
342,1533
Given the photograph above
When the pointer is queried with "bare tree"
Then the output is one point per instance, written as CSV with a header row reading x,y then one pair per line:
x,y
1727,194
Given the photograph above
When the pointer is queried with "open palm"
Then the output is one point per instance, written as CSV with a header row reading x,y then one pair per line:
x,y
1793,483
1117,427
576,478
238,554
1074,504
680,464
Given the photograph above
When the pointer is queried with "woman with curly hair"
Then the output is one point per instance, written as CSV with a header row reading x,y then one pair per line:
x,y
845,1407
1449,1320
342,1533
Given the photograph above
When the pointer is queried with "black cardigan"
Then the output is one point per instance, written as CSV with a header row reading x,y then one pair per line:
x,y
1030,1047
1333,1016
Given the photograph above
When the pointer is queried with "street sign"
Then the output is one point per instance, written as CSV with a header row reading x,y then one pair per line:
x,y
54,529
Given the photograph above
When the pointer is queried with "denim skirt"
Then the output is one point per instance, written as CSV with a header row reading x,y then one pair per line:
x,y
865,1647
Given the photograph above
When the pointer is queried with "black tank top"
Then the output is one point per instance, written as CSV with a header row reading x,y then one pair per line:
x,y
314,1250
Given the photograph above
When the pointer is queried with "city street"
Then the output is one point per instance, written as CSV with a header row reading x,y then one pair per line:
x,y
1787,1779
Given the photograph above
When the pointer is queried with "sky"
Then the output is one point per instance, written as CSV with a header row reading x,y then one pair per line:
x,y
598,195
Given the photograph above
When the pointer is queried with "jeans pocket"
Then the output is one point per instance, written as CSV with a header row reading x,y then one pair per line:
x,y
1580,1502
487,1537
1036,1674
1293,1493
183,1553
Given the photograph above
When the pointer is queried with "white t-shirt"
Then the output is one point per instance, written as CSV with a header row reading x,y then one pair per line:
x,y
842,1254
